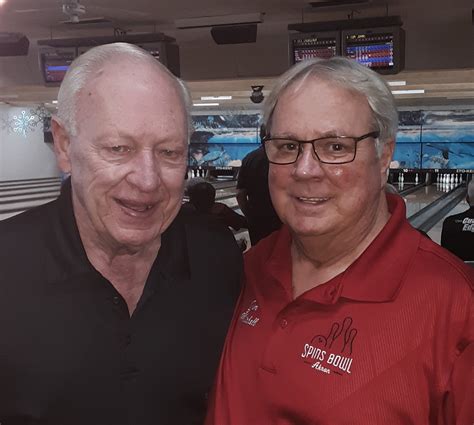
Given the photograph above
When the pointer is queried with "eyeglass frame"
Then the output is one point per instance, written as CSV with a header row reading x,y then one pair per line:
x,y
373,134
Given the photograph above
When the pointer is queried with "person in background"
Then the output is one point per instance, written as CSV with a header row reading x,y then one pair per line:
x,y
202,196
348,314
108,312
253,196
457,234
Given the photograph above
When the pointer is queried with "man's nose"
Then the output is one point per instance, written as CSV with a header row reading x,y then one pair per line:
x,y
307,165
146,173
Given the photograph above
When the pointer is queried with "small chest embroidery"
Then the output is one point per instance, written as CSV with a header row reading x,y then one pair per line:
x,y
250,316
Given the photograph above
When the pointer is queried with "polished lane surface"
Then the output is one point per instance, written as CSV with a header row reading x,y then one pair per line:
x,y
424,196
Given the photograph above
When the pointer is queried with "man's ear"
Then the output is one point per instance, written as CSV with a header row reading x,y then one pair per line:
x,y
61,144
386,157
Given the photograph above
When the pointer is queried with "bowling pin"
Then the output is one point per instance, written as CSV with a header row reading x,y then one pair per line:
x,y
416,178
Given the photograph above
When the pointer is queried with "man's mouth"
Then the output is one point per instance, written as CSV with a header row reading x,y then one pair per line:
x,y
311,200
138,207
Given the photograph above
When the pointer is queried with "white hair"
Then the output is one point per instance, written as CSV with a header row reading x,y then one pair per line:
x,y
346,73
86,66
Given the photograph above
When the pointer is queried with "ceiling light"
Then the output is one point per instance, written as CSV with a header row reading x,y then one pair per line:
x,y
2,2
216,97
205,104
397,83
54,102
213,21
420,91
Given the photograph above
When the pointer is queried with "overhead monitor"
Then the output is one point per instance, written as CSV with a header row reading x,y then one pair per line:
x,y
304,46
381,49
54,63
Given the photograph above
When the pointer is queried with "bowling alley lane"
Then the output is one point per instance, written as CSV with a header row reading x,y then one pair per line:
x,y
424,196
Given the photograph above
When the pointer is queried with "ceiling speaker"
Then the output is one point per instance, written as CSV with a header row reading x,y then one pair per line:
x,y
13,44
234,34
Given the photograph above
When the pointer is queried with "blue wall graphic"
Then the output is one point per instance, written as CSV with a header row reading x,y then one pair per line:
x,y
435,140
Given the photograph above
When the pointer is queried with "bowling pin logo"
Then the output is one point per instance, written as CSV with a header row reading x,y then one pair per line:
x,y
332,352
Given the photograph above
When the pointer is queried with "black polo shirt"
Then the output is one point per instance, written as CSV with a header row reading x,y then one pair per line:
x,y
457,234
70,353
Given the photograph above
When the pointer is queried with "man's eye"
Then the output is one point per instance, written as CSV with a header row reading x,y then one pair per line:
x,y
120,149
337,147
290,146
171,154
285,145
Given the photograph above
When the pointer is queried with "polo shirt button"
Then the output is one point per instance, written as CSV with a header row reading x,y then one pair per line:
x,y
127,340
284,323
116,300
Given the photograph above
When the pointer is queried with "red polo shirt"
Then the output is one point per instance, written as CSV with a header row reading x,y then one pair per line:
x,y
388,341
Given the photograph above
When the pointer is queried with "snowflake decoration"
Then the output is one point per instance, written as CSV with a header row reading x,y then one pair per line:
x,y
23,123
39,113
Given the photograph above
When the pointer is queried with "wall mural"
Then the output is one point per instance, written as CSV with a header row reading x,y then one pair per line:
x,y
222,140
425,139
441,140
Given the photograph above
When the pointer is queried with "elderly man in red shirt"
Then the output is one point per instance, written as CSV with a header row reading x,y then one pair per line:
x,y
348,314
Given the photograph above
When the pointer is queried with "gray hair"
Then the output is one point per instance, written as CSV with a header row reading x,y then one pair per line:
x,y
346,73
86,66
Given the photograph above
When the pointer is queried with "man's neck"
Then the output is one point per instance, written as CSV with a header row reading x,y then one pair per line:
x,y
126,271
125,267
317,259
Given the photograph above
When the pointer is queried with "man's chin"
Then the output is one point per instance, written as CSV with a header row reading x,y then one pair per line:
x,y
135,239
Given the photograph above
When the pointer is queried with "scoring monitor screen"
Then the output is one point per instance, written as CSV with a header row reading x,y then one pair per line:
x,y
373,50
309,46
55,66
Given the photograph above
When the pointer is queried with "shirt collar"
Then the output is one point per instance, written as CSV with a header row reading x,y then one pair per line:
x,y
377,275
171,262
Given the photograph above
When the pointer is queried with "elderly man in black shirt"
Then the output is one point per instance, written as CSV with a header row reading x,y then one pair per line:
x,y
110,310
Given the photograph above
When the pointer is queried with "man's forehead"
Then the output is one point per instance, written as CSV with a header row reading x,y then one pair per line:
x,y
120,71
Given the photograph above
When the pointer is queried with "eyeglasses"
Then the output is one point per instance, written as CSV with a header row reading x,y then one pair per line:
x,y
328,150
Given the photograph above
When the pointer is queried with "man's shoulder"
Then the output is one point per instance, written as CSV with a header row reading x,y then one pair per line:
x,y
25,246
25,226
459,217
443,268
203,229
262,251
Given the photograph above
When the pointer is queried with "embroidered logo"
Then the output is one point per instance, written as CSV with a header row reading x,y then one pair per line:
x,y
249,316
332,352
468,225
